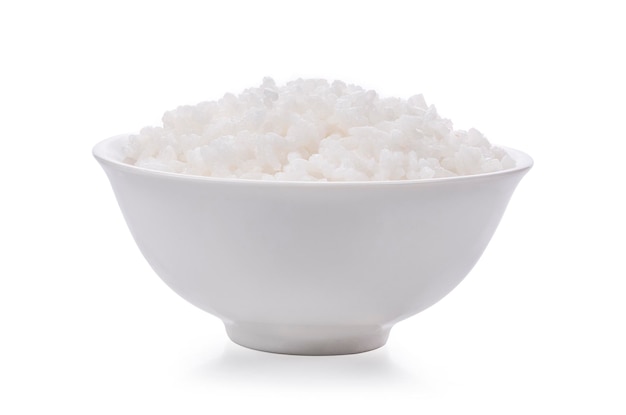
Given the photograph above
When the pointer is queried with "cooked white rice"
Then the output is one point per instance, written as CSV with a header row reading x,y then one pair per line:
x,y
313,130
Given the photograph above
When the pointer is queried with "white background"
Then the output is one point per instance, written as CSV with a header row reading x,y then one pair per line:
x,y
538,325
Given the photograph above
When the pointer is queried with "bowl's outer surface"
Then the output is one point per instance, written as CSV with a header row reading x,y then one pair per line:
x,y
306,260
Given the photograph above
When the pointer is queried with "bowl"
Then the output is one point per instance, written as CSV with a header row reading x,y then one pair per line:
x,y
312,268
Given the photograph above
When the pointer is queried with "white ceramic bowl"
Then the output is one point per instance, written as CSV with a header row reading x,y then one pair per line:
x,y
304,267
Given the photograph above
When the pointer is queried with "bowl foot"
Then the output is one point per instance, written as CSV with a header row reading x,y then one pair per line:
x,y
309,340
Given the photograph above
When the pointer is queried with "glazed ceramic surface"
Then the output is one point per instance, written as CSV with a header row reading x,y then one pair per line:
x,y
307,267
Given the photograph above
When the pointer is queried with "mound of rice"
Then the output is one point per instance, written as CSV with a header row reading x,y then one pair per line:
x,y
313,130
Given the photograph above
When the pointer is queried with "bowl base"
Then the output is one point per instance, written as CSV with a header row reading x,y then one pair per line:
x,y
311,340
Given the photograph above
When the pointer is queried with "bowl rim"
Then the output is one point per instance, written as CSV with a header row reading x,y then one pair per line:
x,y
109,152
